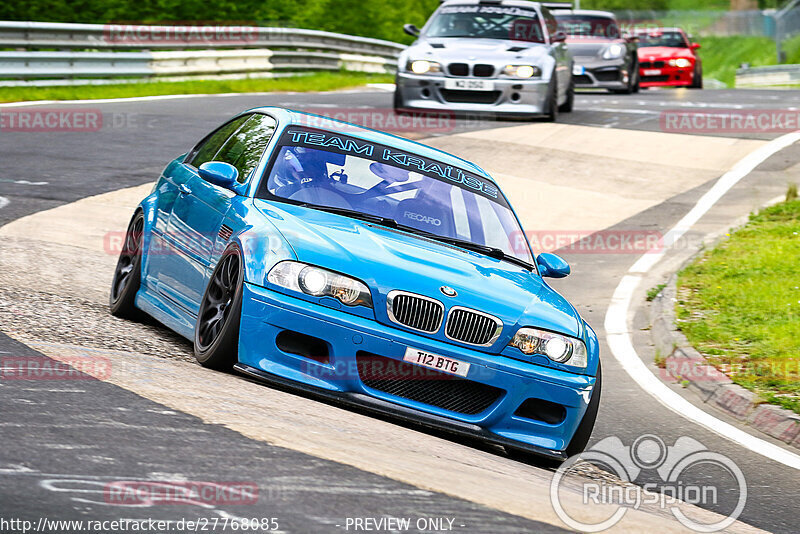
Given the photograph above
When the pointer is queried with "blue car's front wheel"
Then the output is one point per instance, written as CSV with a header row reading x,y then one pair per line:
x,y
128,273
216,334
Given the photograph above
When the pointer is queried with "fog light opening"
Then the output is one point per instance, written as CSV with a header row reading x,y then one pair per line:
x,y
515,97
426,93
303,345
542,410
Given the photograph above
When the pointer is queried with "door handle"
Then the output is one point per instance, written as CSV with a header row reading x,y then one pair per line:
x,y
185,189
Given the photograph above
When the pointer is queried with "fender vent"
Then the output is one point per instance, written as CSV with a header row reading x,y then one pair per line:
x,y
225,232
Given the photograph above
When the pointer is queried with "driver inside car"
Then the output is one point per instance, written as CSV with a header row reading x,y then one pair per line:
x,y
300,167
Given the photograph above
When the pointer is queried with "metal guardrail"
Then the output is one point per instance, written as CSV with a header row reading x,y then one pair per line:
x,y
772,76
141,51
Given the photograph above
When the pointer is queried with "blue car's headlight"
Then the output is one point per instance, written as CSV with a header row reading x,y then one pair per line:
x,y
317,282
561,349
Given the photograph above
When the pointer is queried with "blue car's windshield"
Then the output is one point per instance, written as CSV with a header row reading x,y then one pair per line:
x,y
335,171
486,22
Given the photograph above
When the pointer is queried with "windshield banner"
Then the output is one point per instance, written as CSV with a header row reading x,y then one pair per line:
x,y
342,144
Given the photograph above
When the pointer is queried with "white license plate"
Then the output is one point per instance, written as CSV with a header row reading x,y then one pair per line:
x,y
434,361
577,70
651,72
469,85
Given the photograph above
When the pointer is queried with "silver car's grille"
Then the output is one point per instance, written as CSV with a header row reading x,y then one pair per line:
x,y
415,311
483,71
473,327
458,69
462,69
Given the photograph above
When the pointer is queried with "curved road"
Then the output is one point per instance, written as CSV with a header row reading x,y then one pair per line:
x,y
45,170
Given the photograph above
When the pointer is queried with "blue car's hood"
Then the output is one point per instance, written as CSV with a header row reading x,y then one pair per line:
x,y
387,259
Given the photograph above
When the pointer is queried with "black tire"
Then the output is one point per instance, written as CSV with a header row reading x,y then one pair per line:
x,y
582,434
635,88
567,106
551,104
631,87
697,82
397,103
128,273
581,437
216,333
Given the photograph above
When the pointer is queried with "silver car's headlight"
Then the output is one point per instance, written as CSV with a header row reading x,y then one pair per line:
x,y
423,66
522,71
614,51
561,349
318,282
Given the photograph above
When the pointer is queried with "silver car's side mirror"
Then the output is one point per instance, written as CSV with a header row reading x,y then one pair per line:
x,y
411,30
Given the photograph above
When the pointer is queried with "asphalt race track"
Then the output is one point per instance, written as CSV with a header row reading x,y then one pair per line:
x,y
63,441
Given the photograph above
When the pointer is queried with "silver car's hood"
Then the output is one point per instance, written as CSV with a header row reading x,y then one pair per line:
x,y
451,50
590,47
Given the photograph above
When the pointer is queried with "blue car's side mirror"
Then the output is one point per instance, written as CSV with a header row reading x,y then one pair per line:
x,y
219,173
552,265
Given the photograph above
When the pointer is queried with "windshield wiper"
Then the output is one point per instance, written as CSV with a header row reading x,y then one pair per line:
x,y
490,251
391,223
377,219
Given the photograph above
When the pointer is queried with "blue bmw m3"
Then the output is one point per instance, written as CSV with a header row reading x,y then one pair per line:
x,y
366,269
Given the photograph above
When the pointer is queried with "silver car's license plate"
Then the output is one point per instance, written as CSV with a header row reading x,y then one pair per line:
x,y
434,361
469,85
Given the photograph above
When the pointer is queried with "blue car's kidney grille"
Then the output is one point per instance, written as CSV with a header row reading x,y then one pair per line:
x,y
424,385
472,327
415,311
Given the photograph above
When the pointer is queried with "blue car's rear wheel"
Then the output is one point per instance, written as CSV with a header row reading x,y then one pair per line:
x,y
128,273
216,334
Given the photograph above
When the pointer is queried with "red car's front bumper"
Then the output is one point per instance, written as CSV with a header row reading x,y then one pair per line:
x,y
666,76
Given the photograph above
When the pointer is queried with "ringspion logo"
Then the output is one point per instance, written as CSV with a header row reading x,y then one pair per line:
x,y
677,466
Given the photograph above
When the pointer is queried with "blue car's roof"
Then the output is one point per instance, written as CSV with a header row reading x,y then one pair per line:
x,y
288,117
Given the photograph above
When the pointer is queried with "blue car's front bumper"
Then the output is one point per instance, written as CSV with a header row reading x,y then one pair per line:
x,y
266,315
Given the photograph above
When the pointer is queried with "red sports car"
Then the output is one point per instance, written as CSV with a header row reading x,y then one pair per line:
x,y
668,58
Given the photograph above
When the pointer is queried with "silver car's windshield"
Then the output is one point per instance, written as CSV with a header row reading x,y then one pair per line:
x,y
486,22
589,26
319,168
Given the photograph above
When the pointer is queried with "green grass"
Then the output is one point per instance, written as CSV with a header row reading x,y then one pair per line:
x,y
322,81
653,292
722,55
739,304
